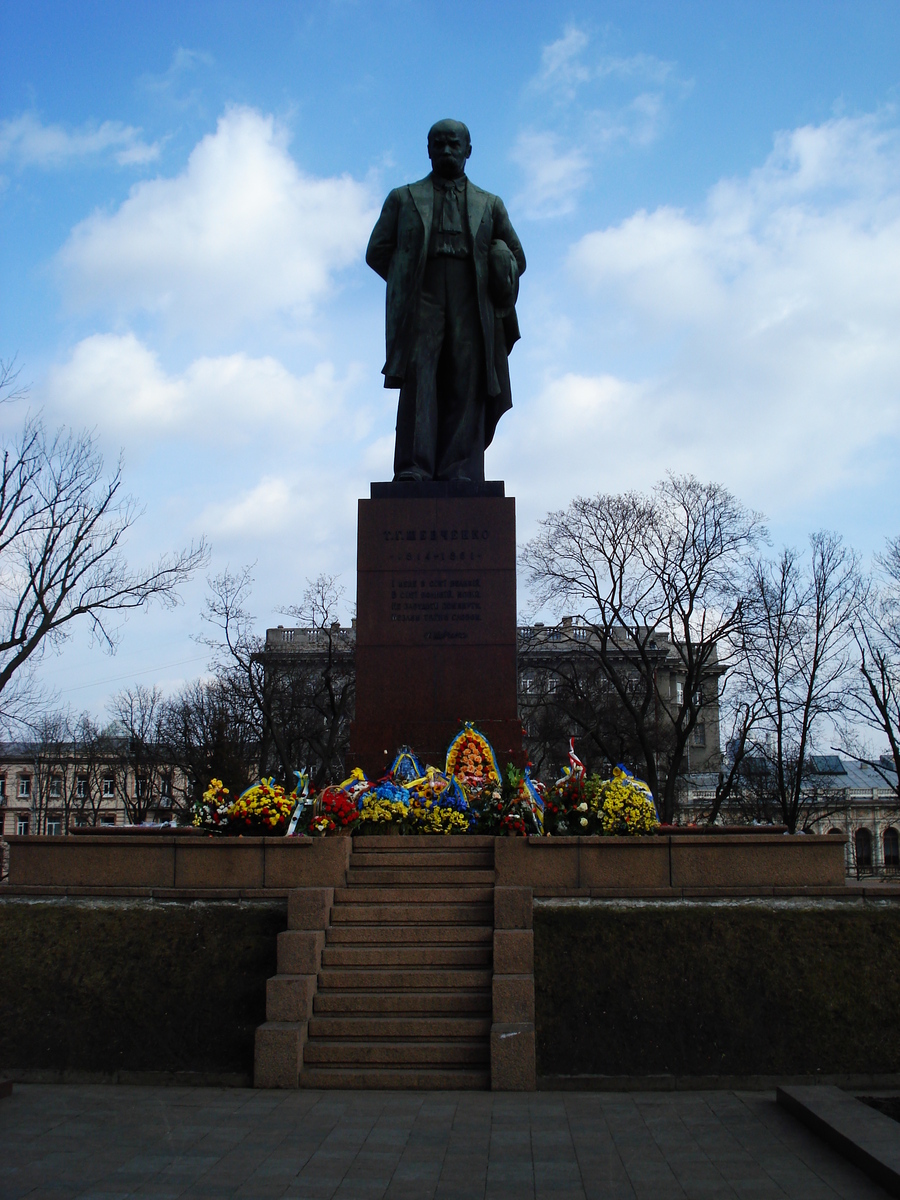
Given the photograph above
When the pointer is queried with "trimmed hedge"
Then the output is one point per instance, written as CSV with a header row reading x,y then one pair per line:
x,y
134,985
717,989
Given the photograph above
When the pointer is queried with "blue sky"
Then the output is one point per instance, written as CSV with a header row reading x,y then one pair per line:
x,y
708,195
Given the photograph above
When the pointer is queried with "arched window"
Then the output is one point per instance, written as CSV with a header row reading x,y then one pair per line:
x,y
891,840
863,842
837,831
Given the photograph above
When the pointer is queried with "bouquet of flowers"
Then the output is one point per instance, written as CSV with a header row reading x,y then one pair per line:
x,y
625,805
262,810
406,767
471,760
522,805
386,804
211,811
340,808
439,805
570,806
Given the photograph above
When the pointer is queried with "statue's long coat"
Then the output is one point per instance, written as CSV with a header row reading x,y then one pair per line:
x,y
398,249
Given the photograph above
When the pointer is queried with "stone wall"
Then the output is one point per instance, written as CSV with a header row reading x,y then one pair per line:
x,y
693,989
134,988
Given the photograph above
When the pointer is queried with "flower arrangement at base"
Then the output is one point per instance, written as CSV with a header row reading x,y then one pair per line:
x,y
513,807
384,809
439,805
625,805
405,767
262,810
570,806
471,760
211,811
337,809
524,806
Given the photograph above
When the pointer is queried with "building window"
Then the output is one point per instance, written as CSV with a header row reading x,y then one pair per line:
x,y
140,787
109,787
552,685
22,825
108,819
2,789
527,685
24,786
891,842
81,787
55,787
54,827
698,735
679,691
165,787
863,842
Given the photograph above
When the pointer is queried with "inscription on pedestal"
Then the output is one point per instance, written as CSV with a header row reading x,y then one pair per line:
x,y
443,605
436,623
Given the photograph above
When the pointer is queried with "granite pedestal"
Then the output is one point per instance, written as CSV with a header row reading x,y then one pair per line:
x,y
436,621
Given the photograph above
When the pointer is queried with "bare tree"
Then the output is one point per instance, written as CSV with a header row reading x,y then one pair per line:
x,y
797,643
10,388
61,528
642,571
62,524
740,717
875,696
95,750
211,730
303,705
51,753
139,713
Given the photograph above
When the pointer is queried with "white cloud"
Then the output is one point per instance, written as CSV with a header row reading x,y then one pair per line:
x,y
772,316
265,509
553,177
567,67
597,102
115,382
241,234
562,69
26,141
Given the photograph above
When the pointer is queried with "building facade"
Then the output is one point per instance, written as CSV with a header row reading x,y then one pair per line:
x,y
48,790
858,800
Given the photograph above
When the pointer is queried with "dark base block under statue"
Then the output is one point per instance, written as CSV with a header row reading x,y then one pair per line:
x,y
436,622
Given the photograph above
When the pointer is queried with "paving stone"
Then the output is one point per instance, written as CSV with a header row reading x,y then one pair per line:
x,y
213,1144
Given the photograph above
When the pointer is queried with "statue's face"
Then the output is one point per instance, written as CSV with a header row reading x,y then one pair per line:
x,y
448,149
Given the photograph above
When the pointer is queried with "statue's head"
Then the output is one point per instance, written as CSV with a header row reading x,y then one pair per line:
x,y
449,145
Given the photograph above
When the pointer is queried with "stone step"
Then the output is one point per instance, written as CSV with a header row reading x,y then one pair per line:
x,y
413,895
397,1054
412,914
418,955
384,1078
399,979
424,841
475,1003
386,935
393,1027
424,858
423,875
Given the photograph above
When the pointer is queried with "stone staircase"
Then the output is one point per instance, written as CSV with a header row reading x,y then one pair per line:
x,y
403,995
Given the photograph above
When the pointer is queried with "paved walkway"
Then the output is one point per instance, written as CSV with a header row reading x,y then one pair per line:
x,y
114,1142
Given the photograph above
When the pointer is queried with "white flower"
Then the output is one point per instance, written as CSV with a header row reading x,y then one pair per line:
x,y
582,807
584,820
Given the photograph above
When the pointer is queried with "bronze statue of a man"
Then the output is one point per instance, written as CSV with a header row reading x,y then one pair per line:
x,y
452,262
